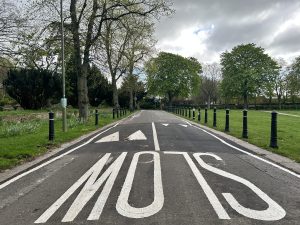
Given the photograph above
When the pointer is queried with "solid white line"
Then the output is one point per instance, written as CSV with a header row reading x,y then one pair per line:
x,y
52,160
156,145
213,199
248,153
124,208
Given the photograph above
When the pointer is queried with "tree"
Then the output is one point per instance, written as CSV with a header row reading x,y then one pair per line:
x,y
293,80
10,21
32,88
245,70
210,82
85,19
172,76
134,87
281,81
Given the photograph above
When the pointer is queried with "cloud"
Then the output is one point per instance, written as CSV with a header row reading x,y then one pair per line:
x,y
204,29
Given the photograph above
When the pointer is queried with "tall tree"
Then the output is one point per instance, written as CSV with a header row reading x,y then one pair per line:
x,y
245,69
172,76
86,20
293,80
210,82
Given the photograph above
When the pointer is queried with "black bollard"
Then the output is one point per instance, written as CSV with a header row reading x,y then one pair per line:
x,y
185,112
273,139
118,112
189,112
51,126
227,121
113,113
199,115
215,117
245,124
205,116
193,113
96,117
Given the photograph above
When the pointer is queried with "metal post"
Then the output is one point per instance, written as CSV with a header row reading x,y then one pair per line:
x,y
227,121
215,117
199,114
113,113
51,126
193,113
189,112
273,139
205,118
63,100
245,124
118,113
185,112
96,117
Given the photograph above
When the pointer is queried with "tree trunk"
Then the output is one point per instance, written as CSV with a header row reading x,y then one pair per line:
x,y
82,89
279,101
208,102
131,100
115,92
245,101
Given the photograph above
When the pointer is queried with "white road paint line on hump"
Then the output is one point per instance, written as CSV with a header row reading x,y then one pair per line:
x,y
138,135
53,159
156,145
165,124
248,153
183,125
110,138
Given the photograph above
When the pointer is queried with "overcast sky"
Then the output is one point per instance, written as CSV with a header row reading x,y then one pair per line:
x,y
205,28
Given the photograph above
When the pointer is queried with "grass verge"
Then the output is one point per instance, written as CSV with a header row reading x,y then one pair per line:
x,y
18,144
259,126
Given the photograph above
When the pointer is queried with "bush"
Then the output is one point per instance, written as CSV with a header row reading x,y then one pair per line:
x,y
33,88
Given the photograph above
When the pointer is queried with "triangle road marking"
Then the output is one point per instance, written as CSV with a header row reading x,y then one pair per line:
x,y
110,138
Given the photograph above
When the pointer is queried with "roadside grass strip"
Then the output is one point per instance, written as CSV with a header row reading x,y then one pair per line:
x,y
24,140
259,126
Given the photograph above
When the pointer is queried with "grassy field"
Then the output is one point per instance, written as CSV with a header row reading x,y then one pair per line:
x,y
259,125
24,134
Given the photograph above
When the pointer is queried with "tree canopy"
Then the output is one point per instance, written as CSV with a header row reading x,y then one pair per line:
x,y
245,70
172,75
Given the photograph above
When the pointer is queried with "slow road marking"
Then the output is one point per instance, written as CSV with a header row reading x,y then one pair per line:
x,y
91,183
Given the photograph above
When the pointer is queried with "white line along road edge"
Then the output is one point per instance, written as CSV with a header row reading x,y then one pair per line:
x,y
156,145
53,159
248,153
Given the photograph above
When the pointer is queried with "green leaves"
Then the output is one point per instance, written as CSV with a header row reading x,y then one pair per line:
x,y
172,75
245,71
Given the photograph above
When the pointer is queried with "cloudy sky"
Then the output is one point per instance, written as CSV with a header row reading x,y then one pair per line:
x,y
206,28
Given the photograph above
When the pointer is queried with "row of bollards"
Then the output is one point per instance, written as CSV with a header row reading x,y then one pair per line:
x,y
116,113
190,113
119,112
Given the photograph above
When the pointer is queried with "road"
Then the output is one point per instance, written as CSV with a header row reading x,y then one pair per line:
x,y
152,168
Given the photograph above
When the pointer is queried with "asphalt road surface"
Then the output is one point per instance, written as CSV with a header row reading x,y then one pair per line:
x,y
153,168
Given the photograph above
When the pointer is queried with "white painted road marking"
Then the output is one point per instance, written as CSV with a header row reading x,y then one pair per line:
x,y
272,213
165,124
123,206
110,138
248,153
52,160
137,136
93,183
89,189
156,145
213,199
183,125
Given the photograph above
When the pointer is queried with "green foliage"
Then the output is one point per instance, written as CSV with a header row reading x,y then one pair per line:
x,y
15,129
33,88
293,79
172,75
246,69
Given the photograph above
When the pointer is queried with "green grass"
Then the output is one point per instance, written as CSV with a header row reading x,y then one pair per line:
x,y
20,142
259,125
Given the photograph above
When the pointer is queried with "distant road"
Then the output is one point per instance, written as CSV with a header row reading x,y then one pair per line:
x,y
152,168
